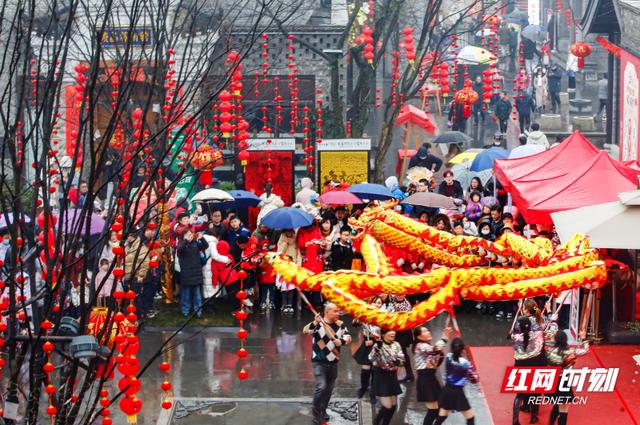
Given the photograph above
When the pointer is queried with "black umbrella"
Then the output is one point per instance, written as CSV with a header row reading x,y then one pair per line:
x,y
451,137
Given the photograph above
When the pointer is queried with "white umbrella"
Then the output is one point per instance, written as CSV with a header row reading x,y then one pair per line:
x,y
212,195
463,174
475,55
525,150
609,225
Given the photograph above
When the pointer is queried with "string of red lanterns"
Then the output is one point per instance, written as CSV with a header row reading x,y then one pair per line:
x,y
241,315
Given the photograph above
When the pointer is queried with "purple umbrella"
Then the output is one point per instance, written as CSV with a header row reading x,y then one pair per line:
x,y
75,221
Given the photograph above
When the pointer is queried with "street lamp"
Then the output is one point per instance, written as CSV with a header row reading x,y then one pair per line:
x,y
84,346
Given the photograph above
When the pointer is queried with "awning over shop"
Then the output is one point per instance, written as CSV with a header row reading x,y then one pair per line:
x,y
571,175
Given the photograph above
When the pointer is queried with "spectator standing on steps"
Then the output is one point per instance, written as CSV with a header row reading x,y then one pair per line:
x,y
537,137
503,110
525,106
555,82
603,91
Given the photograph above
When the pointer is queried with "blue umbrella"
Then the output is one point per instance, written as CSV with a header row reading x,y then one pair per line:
x,y
484,160
242,199
371,191
287,218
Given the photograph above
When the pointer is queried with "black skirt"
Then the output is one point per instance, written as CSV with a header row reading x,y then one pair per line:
x,y
361,356
562,393
453,398
427,387
385,383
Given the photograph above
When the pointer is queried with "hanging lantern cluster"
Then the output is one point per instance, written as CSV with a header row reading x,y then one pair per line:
x,y
410,50
34,81
487,88
378,97
127,361
395,76
170,87
204,160
466,97
293,86
581,50
306,140
48,368
241,315
368,50
277,99
444,79
166,386
225,107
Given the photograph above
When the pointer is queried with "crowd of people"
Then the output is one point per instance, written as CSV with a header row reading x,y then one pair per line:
x,y
383,353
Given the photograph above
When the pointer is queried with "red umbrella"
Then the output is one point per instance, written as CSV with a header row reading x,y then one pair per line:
x,y
339,198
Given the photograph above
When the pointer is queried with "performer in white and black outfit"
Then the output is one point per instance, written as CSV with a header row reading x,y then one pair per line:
x,y
558,353
386,356
428,358
329,334
404,338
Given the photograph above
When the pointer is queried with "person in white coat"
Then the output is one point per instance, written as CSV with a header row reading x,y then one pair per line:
x,y
269,201
210,288
306,193
541,85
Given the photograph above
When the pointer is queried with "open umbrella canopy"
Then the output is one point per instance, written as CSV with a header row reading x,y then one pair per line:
x,y
339,198
409,114
430,200
464,175
465,156
450,137
525,150
75,221
287,218
484,160
534,32
3,219
371,191
518,16
487,32
241,199
212,195
472,55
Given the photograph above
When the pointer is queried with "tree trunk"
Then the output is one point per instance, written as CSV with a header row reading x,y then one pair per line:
x,y
336,101
386,137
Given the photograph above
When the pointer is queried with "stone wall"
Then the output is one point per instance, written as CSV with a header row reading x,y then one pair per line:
x,y
630,27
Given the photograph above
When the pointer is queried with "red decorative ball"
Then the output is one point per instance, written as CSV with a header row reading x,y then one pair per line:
x,y
52,410
241,315
166,405
241,295
105,412
48,367
242,333
166,385
104,402
107,421
165,367
242,353
243,374
50,389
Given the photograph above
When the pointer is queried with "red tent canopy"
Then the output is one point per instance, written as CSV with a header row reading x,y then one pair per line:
x,y
572,175
412,115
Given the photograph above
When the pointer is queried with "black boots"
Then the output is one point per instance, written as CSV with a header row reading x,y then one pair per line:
x,y
554,415
562,418
535,408
365,378
384,416
431,416
516,411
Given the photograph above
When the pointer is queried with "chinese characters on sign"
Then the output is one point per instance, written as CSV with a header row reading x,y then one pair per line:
x,y
546,379
124,36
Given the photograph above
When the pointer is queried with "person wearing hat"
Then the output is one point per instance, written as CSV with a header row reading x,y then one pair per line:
x,y
424,158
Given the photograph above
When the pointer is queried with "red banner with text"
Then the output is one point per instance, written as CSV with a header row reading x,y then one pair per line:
x,y
281,175
629,107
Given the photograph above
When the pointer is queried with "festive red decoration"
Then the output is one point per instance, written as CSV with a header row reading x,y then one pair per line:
x,y
205,159
466,97
581,49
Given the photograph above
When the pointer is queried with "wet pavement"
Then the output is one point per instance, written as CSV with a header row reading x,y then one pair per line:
x,y
280,383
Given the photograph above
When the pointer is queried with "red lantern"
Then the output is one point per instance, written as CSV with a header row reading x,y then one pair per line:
x,y
466,97
243,156
205,159
581,50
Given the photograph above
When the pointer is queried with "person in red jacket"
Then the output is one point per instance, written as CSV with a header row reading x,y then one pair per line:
x,y
226,274
312,244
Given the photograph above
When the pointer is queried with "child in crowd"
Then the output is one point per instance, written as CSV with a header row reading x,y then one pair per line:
x,y
104,283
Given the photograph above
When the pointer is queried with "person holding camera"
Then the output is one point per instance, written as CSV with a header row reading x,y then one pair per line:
x,y
386,357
